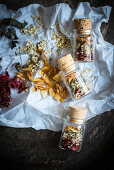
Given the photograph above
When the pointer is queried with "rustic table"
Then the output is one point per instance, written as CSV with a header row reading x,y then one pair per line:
x,y
28,149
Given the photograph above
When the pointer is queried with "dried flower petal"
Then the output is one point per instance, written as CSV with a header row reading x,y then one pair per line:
x,y
6,83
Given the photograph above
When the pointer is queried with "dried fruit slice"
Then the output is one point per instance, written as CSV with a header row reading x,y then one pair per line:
x,y
43,93
57,77
57,96
51,92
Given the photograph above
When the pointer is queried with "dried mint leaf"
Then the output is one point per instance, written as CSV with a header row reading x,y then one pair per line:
x,y
13,44
17,66
10,33
13,22
13,33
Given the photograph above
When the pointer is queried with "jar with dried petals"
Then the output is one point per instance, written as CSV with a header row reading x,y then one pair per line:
x,y
72,78
84,46
73,129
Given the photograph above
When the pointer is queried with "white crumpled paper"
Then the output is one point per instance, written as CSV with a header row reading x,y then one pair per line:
x,y
30,110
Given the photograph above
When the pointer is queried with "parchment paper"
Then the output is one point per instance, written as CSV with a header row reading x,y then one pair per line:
x,y
31,110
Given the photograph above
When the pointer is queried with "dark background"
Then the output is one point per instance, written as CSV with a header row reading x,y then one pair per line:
x,y
28,149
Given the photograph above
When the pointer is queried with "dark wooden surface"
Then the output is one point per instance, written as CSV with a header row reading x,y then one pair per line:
x,y
28,149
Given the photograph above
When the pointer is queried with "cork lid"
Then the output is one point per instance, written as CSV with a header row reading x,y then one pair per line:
x,y
83,24
77,114
65,63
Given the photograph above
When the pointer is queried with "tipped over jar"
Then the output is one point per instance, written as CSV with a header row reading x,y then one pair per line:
x,y
83,51
71,77
73,129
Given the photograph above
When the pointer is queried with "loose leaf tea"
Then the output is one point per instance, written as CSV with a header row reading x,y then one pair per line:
x,y
84,48
84,42
76,88
73,129
72,138
13,22
6,83
10,33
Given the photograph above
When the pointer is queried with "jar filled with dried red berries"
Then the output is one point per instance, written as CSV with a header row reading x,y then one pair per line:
x,y
73,129
83,51
71,77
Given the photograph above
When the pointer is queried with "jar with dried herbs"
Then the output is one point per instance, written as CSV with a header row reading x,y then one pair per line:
x,y
72,78
83,51
73,129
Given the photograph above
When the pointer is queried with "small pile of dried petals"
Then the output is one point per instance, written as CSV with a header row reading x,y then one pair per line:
x,y
24,72
49,82
6,83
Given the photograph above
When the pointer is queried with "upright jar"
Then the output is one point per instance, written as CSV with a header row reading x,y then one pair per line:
x,y
83,44
73,129
71,77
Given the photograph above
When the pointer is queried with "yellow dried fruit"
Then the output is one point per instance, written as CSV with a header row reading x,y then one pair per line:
x,y
34,89
48,82
45,69
51,92
21,78
45,61
57,96
43,93
29,75
38,80
57,77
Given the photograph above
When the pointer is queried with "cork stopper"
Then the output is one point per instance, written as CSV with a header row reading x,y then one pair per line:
x,y
83,24
66,63
77,114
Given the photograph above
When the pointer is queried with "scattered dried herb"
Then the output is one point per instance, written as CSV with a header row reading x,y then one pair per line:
x,y
72,138
49,81
10,33
84,48
6,83
13,22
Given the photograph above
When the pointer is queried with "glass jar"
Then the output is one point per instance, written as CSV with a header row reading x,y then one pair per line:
x,y
83,51
75,84
72,134
72,78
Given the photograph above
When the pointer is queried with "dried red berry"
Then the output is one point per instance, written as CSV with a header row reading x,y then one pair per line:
x,y
6,83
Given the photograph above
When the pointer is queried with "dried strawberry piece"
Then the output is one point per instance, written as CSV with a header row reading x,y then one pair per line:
x,y
19,85
6,83
66,142
5,90
75,147
91,55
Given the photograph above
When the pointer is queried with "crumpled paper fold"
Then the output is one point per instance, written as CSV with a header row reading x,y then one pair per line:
x,y
31,110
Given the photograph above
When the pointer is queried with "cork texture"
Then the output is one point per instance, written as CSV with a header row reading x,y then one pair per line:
x,y
65,62
78,113
83,24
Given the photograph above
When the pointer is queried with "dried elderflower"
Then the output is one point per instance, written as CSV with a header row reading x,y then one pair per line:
x,y
42,45
38,20
61,40
32,30
35,52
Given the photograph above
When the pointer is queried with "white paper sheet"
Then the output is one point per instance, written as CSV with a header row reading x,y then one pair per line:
x,y
30,110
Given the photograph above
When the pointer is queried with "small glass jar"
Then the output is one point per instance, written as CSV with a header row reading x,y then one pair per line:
x,y
73,130
72,78
83,51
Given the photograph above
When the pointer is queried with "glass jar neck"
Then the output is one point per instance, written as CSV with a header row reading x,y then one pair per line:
x,y
84,32
77,121
68,70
